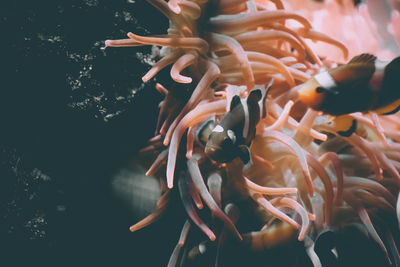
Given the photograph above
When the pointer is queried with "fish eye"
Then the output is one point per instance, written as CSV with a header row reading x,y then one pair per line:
x,y
320,89
232,136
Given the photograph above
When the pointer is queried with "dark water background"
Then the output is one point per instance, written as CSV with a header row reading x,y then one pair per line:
x,y
70,113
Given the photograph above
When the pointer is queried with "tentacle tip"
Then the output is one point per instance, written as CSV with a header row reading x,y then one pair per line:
x,y
186,80
145,79
300,238
212,236
166,139
174,8
240,237
107,43
379,176
132,228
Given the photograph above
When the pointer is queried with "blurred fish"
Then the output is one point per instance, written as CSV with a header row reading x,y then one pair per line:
x,y
364,84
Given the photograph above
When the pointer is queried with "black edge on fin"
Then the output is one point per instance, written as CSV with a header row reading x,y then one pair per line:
x,y
393,111
235,101
350,131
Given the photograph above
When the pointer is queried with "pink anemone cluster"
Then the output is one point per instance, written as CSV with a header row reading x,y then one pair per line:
x,y
304,177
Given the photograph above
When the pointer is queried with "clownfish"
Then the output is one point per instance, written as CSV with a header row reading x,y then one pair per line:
x,y
232,136
364,84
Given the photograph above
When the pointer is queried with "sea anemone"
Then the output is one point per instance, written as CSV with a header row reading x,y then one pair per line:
x,y
304,179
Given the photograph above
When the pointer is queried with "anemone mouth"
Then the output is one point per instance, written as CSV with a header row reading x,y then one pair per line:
x,y
303,172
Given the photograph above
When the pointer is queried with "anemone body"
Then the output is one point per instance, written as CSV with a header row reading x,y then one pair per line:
x,y
304,177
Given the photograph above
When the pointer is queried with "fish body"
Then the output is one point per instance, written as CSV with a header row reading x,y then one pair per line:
x,y
364,84
234,133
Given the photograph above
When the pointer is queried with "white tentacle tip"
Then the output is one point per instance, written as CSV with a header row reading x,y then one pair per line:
x,y
107,43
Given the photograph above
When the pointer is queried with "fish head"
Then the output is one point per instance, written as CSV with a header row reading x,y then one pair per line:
x,y
221,145
314,94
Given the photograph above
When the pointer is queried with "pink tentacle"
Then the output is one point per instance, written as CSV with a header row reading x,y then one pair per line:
x,y
184,233
333,157
268,190
180,64
214,183
122,43
190,210
314,35
194,193
160,160
290,203
193,117
260,57
179,42
267,164
190,142
298,151
270,209
162,63
239,23
160,88
204,84
371,185
198,182
323,175
154,216
359,142
223,42
371,230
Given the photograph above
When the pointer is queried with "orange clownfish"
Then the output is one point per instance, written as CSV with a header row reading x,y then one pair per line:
x,y
364,84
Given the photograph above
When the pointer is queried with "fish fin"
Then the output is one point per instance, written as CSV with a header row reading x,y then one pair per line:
x,y
358,71
326,238
254,96
345,125
363,59
363,64
235,101
325,247
393,111
253,113
244,155
389,109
